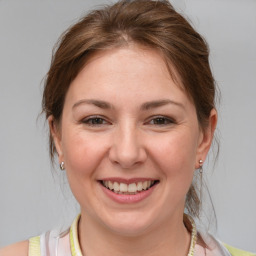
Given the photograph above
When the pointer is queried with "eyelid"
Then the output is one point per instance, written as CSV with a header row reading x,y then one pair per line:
x,y
93,117
167,118
105,121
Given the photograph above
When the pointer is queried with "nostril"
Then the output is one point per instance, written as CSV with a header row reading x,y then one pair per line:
x,y
127,157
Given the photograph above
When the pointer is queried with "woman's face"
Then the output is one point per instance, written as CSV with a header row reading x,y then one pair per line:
x,y
126,126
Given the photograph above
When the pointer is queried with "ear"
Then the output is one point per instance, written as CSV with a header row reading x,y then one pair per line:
x,y
56,135
206,137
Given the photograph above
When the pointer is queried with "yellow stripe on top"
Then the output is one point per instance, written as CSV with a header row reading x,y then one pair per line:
x,y
73,236
34,246
238,252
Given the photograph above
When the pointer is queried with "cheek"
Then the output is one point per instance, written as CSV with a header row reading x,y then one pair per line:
x,y
82,154
175,156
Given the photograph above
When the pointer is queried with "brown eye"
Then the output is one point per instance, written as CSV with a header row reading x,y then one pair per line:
x,y
161,121
94,121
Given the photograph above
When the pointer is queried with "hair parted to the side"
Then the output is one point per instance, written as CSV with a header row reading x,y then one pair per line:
x,y
149,23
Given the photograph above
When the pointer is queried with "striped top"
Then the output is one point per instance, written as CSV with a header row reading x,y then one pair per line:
x,y
53,243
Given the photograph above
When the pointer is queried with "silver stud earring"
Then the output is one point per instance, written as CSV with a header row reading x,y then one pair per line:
x,y
201,166
62,167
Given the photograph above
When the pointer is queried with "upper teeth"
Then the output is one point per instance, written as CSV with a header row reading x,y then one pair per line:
x,y
123,187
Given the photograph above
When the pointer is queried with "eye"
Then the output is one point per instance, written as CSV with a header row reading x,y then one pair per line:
x,y
161,120
94,121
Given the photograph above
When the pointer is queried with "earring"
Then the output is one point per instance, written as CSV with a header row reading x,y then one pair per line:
x,y
62,167
200,165
200,169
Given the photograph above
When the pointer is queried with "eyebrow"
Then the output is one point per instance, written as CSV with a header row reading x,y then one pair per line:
x,y
97,103
160,103
144,106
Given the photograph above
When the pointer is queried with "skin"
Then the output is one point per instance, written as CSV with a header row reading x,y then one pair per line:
x,y
146,128
128,141
20,248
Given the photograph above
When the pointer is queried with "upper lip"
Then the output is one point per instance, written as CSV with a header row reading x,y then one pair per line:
x,y
127,181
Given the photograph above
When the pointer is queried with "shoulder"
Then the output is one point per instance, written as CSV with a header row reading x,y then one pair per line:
x,y
217,247
20,249
237,252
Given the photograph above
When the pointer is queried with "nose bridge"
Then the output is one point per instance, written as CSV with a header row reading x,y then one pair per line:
x,y
127,148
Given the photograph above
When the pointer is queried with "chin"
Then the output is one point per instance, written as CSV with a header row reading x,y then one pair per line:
x,y
129,224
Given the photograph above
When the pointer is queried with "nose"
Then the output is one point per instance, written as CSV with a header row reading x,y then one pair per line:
x,y
127,149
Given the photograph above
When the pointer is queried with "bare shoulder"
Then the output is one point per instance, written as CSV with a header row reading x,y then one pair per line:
x,y
20,249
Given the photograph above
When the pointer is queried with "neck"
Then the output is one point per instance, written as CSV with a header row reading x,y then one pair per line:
x,y
171,238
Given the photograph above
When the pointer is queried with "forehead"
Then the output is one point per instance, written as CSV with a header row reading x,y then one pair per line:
x,y
131,71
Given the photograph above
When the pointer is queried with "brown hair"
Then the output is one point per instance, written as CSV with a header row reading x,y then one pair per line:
x,y
150,23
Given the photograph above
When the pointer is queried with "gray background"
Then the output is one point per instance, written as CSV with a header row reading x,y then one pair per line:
x,y
34,198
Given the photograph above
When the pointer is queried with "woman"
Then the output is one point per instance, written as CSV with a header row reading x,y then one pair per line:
x,y
129,98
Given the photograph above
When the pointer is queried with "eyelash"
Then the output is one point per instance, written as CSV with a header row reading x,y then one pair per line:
x,y
157,120
164,121
90,121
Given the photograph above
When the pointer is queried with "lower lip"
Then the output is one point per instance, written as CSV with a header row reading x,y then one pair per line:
x,y
128,199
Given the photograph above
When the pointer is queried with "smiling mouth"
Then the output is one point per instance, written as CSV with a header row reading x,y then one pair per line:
x,y
128,189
